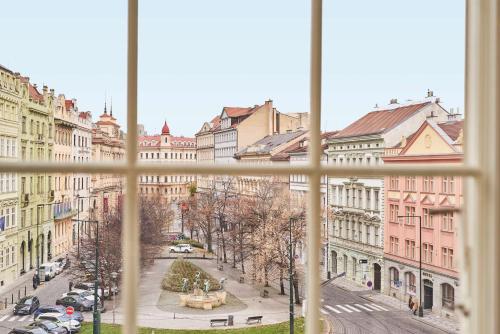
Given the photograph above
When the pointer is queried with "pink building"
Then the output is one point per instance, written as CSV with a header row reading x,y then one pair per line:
x,y
432,143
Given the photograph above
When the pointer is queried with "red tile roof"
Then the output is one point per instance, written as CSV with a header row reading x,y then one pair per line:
x,y
452,128
85,114
146,141
379,121
165,130
68,104
238,111
35,94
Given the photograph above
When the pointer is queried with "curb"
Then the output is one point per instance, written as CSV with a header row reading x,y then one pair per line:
x,y
328,326
413,318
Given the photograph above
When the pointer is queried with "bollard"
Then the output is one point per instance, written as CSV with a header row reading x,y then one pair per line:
x,y
25,291
18,295
5,302
12,298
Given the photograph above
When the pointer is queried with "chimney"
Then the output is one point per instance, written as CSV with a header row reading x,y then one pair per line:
x,y
430,93
394,101
35,85
45,89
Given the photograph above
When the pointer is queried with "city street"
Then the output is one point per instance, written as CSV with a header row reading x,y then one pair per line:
x,y
47,293
349,313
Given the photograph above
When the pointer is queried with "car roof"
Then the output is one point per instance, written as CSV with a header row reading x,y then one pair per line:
x,y
50,314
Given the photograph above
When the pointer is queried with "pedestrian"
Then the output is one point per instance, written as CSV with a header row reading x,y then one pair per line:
x,y
415,306
35,285
70,285
410,303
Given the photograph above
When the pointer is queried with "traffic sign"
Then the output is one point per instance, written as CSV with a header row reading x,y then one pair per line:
x,y
70,310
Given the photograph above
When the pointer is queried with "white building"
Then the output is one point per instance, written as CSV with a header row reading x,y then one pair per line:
x,y
356,235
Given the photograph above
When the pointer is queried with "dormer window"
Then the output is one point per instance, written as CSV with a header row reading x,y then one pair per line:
x,y
166,140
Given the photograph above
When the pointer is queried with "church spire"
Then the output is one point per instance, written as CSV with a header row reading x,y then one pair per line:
x,y
105,109
111,108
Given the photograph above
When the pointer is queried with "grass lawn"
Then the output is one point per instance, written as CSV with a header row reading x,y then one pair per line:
x,y
281,328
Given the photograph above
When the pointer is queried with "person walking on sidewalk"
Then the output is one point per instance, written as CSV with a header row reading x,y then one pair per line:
x,y
410,303
415,306
35,282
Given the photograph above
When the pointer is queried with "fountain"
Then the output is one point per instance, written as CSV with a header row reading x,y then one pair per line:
x,y
201,298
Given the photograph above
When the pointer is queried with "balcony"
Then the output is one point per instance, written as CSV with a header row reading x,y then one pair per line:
x,y
356,245
62,211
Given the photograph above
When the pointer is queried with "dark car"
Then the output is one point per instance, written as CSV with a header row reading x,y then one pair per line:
x,y
78,316
26,305
49,326
80,304
28,330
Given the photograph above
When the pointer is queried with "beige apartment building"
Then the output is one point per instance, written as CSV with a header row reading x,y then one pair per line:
x,y
10,94
36,235
161,149
65,119
108,145
205,150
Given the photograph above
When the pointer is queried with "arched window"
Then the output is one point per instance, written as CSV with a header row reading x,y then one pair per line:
x,y
410,281
448,296
394,277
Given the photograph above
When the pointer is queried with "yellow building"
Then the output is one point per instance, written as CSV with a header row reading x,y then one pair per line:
x,y
205,150
10,92
35,237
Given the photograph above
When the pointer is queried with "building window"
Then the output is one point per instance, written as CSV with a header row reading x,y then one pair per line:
x,y
448,296
393,213
411,285
428,184
410,215
448,185
447,258
410,183
394,245
447,223
427,252
410,249
394,183
426,218
393,277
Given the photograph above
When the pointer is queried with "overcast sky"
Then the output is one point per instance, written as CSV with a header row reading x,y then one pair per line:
x,y
197,56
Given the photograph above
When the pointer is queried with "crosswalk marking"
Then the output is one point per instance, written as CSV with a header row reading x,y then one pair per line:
x,y
332,309
323,311
344,308
22,318
364,308
14,318
4,317
378,306
352,308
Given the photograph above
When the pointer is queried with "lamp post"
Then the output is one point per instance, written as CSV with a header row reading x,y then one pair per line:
x,y
420,308
114,275
38,239
290,276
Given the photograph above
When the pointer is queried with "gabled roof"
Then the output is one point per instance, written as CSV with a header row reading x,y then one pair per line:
x,y
238,111
268,143
304,148
452,128
380,121
34,93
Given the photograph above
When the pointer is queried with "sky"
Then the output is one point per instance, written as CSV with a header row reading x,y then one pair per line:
x,y
197,56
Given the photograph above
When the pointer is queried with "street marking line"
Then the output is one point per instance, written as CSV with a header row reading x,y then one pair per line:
x,y
22,318
344,308
352,308
14,318
372,307
380,307
323,311
4,317
333,309
364,308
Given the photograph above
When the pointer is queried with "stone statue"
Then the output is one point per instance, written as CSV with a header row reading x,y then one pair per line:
x,y
185,284
207,286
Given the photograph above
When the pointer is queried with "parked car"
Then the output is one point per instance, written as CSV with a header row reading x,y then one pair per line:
x,y
62,320
49,326
181,248
89,286
78,316
47,271
27,305
28,330
86,294
80,304
58,267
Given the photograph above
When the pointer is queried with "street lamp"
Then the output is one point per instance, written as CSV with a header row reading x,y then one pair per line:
x,y
38,239
290,275
420,308
78,197
114,275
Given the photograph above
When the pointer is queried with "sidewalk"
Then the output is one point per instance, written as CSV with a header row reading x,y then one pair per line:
x,y
350,285
447,324
18,285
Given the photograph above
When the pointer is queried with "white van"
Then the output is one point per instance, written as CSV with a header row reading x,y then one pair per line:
x,y
47,271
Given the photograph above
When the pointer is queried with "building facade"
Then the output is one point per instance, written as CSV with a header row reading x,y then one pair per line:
x,y
65,121
162,149
432,143
36,195
10,94
205,150
108,145
357,204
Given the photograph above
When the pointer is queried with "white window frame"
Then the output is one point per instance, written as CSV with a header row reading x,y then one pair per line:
x,y
478,307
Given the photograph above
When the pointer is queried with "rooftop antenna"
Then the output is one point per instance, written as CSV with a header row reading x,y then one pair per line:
x,y
111,108
105,109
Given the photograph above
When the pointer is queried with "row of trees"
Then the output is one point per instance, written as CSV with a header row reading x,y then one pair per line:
x,y
250,228
154,216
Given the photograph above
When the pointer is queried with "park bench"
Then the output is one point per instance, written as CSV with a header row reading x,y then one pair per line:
x,y
254,320
218,321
